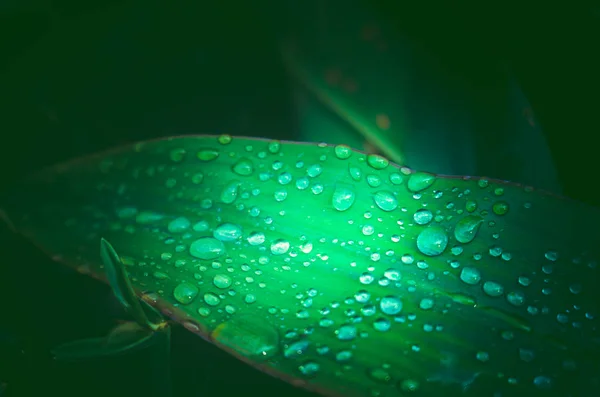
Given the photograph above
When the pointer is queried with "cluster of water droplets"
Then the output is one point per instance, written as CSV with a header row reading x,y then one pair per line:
x,y
229,262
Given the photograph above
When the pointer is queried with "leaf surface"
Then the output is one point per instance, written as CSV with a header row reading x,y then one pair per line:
x,y
337,271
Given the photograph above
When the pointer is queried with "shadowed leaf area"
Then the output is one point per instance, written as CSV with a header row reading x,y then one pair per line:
x,y
337,271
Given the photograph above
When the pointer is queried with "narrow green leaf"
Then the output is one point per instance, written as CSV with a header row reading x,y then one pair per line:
x,y
337,271
121,286
123,338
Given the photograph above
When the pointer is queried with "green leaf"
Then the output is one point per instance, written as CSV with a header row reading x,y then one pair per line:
x,y
334,270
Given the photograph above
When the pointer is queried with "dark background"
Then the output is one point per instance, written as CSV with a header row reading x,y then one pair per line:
x,y
80,77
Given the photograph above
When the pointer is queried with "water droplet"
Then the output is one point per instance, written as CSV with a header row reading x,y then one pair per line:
x,y
500,207
256,238
314,170
222,281
185,293
208,154
516,298
419,181
243,167
207,248
224,139
274,146
380,375
228,232
426,303
146,217
343,356
390,305
346,332
309,368
423,216
160,275
179,225
279,247
492,288
204,311
382,324
409,385
396,178
211,299
177,155
392,274
230,192
385,200
466,229
343,198
376,161
432,241
470,275
362,296
551,256
342,152
542,382
296,349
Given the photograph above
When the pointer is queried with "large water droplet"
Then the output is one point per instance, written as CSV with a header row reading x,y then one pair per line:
x,y
207,248
432,241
